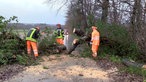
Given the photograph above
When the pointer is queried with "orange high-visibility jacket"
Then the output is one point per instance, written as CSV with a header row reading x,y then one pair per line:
x,y
95,37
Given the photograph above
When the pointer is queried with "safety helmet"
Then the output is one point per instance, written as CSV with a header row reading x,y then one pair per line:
x,y
58,25
38,28
94,27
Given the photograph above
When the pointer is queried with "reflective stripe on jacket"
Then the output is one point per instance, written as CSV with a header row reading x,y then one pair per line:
x,y
31,35
95,37
59,33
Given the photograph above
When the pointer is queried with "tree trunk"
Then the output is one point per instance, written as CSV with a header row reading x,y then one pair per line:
x,y
115,13
138,32
105,6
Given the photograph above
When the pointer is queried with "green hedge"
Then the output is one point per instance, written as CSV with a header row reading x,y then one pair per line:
x,y
123,44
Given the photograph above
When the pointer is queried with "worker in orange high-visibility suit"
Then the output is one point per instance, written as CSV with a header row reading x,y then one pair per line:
x,y
59,33
95,39
31,41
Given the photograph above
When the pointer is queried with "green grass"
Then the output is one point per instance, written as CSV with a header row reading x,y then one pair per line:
x,y
134,70
115,58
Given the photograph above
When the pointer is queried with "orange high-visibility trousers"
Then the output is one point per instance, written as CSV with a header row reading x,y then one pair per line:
x,y
59,40
94,48
95,42
33,45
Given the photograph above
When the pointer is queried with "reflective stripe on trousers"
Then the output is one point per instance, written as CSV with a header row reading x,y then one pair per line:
x,y
33,45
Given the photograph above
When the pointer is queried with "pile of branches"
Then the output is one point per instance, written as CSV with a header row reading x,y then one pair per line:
x,y
11,46
114,46
48,45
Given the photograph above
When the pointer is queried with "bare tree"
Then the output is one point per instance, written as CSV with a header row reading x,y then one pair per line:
x,y
105,6
132,13
80,10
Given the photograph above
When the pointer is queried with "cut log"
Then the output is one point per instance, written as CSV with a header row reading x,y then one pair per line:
x,y
78,32
86,38
131,63
72,48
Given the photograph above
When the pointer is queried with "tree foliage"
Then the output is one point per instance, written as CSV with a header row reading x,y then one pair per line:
x,y
11,44
128,13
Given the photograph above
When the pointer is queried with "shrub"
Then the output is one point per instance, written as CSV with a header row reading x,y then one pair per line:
x,y
121,43
46,44
12,46
86,51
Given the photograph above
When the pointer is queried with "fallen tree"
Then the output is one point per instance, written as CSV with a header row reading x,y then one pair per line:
x,y
86,38
131,63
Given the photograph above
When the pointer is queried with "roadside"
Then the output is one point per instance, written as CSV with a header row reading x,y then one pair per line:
x,y
8,71
63,68
118,75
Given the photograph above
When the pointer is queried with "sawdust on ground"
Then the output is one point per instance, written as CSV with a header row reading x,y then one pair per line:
x,y
63,68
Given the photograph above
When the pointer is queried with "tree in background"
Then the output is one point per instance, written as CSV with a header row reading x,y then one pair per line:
x,y
128,13
105,6
137,25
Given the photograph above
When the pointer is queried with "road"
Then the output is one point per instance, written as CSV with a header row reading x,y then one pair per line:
x,y
63,68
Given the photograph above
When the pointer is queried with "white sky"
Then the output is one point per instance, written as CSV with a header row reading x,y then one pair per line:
x,y
32,11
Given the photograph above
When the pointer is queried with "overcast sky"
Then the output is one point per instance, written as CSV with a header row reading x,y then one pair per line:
x,y
32,11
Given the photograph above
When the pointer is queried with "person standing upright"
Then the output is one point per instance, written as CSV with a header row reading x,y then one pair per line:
x,y
59,33
95,39
31,41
